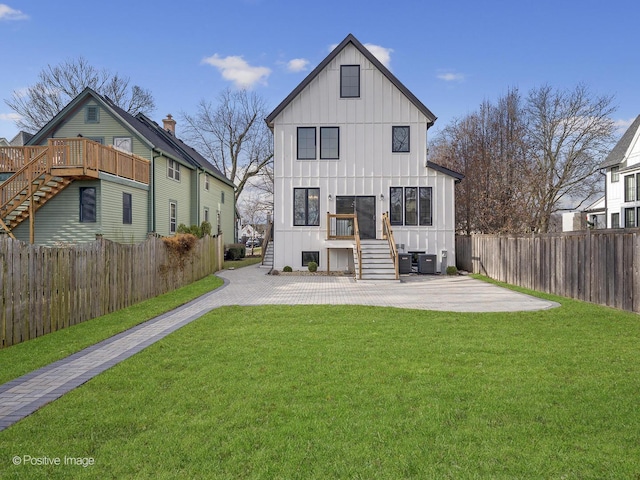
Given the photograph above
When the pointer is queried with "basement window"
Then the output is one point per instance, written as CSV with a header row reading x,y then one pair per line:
x,y
308,257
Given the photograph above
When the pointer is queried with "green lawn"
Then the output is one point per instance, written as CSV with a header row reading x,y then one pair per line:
x,y
357,392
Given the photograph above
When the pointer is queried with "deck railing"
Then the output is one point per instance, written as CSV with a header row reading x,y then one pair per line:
x,y
340,226
387,233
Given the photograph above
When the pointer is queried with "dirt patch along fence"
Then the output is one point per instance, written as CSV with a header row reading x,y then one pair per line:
x,y
45,289
598,266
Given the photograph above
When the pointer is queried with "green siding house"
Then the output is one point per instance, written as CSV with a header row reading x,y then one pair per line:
x,y
113,174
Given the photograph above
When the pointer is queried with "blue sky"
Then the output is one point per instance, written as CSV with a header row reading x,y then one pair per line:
x,y
451,54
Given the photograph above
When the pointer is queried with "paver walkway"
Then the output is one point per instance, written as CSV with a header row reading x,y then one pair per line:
x,y
251,286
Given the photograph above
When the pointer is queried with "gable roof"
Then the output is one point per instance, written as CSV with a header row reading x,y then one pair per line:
x,y
148,131
350,39
616,155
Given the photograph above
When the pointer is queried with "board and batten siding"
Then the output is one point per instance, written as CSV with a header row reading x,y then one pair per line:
x,y
367,166
58,221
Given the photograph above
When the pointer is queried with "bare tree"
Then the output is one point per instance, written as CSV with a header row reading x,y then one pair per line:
x,y
569,132
253,212
233,135
58,85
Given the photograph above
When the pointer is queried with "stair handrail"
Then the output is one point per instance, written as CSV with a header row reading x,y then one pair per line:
x,y
356,236
387,233
266,240
10,188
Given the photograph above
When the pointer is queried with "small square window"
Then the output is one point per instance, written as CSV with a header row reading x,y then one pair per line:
x,y
124,144
400,139
308,257
349,81
92,114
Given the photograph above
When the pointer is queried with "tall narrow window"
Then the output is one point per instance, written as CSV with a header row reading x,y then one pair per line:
x,y
87,204
127,209
206,182
173,216
306,143
410,206
426,213
329,143
615,220
221,197
629,217
206,214
306,206
629,188
615,174
400,139
395,205
350,81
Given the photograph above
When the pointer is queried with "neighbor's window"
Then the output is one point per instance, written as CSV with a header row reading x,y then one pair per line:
x,y
629,188
173,170
306,206
87,204
206,214
615,220
221,197
615,175
329,143
400,139
396,205
349,81
306,143
124,144
127,209
308,257
425,210
206,182
173,216
629,217
92,114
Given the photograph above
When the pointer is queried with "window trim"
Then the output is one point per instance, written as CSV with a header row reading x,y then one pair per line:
x,y
173,170
615,174
314,253
127,210
306,207
429,222
629,188
123,138
337,157
342,75
392,217
627,223
173,216
393,138
420,202
205,215
315,143
83,214
615,220
207,183
87,118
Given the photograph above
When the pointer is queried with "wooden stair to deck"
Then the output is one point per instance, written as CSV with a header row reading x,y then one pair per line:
x,y
377,263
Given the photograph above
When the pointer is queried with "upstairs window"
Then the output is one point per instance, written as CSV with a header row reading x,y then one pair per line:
x,y
329,143
124,144
173,170
92,114
206,182
629,188
400,139
349,81
615,175
306,143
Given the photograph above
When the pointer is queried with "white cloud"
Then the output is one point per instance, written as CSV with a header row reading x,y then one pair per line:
x,y
9,117
622,125
8,13
383,54
238,71
297,64
451,77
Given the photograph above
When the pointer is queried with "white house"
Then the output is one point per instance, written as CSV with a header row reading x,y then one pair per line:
x,y
352,139
622,184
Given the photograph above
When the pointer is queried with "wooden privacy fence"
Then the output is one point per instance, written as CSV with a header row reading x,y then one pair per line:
x,y
45,289
598,266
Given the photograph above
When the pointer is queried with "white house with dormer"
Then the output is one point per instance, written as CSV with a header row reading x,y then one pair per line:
x,y
622,184
351,139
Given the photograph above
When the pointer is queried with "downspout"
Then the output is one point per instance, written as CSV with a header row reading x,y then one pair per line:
x,y
606,209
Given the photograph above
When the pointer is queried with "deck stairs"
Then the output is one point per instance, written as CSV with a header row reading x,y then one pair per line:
x,y
377,263
267,258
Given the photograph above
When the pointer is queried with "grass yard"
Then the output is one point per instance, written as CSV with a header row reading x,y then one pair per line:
x,y
357,392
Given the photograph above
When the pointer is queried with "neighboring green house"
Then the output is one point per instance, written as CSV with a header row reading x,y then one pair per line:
x,y
135,179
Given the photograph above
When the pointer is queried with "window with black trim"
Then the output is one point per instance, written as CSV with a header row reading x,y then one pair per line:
x,y
173,216
396,203
629,217
349,81
173,170
400,139
92,114
424,206
87,204
615,220
629,188
411,206
615,174
329,143
306,206
308,257
306,143
127,208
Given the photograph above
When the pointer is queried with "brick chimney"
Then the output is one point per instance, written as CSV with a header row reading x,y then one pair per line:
x,y
169,124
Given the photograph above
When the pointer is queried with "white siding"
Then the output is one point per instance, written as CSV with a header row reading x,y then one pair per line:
x,y
366,165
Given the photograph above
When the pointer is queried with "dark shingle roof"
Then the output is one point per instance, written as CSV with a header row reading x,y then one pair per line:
x,y
384,70
616,156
